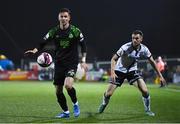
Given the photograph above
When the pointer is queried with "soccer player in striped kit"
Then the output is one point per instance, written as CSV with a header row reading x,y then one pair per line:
x,y
124,66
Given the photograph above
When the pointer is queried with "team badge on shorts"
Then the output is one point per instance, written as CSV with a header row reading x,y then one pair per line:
x,y
71,73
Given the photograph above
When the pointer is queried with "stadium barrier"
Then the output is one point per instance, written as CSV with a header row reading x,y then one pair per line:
x,y
18,75
101,72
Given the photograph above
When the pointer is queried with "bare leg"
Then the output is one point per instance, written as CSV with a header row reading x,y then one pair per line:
x,y
72,93
62,102
145,96
70,89
61,98
106,97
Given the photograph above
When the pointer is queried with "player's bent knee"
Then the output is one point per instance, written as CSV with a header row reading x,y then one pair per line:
x,y
109,93
68,87
145,93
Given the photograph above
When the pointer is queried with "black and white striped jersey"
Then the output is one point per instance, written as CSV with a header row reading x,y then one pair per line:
x,y
129,56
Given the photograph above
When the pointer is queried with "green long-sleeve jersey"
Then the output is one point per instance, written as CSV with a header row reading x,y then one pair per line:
x,y
66,44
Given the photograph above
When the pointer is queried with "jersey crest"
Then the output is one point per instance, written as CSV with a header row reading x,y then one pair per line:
x,y
70,36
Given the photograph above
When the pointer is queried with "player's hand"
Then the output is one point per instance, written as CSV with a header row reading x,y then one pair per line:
x,y
84,65
113,76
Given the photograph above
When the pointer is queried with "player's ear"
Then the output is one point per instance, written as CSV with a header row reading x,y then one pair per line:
x,y
141,37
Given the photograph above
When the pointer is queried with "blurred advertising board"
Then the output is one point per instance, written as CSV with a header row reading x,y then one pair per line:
x,y
18,75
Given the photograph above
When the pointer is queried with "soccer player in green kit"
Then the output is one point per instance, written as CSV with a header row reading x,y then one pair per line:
x,y
66,38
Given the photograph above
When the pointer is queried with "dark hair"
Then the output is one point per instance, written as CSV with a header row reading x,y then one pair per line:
x,y
65,10
138,32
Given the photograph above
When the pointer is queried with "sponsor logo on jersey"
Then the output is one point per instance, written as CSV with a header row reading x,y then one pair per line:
x,y
64,43
71,73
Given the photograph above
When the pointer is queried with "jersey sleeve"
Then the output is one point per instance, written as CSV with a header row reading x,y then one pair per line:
x,y
121,50
50,35
147,53
82,43
80,38
78,34
47,38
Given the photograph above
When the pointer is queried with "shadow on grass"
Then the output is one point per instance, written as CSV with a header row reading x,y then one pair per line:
x,y
87,117
9,120
96,117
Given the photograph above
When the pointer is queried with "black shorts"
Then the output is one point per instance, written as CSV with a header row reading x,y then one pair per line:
x,y
61,72
130,76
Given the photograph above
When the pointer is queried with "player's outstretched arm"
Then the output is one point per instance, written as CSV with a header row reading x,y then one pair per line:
x,y
83,62
113,63
33,51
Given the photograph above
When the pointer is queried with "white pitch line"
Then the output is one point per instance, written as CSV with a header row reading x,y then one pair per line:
x,y
173,90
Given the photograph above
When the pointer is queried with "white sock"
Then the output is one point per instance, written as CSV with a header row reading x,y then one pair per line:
x,y
67,112
104,102
146,102
76,103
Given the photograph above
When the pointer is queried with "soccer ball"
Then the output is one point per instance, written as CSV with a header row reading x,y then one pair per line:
x,y
44,59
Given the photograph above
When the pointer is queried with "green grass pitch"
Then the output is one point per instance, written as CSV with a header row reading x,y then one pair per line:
x,y
35,102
